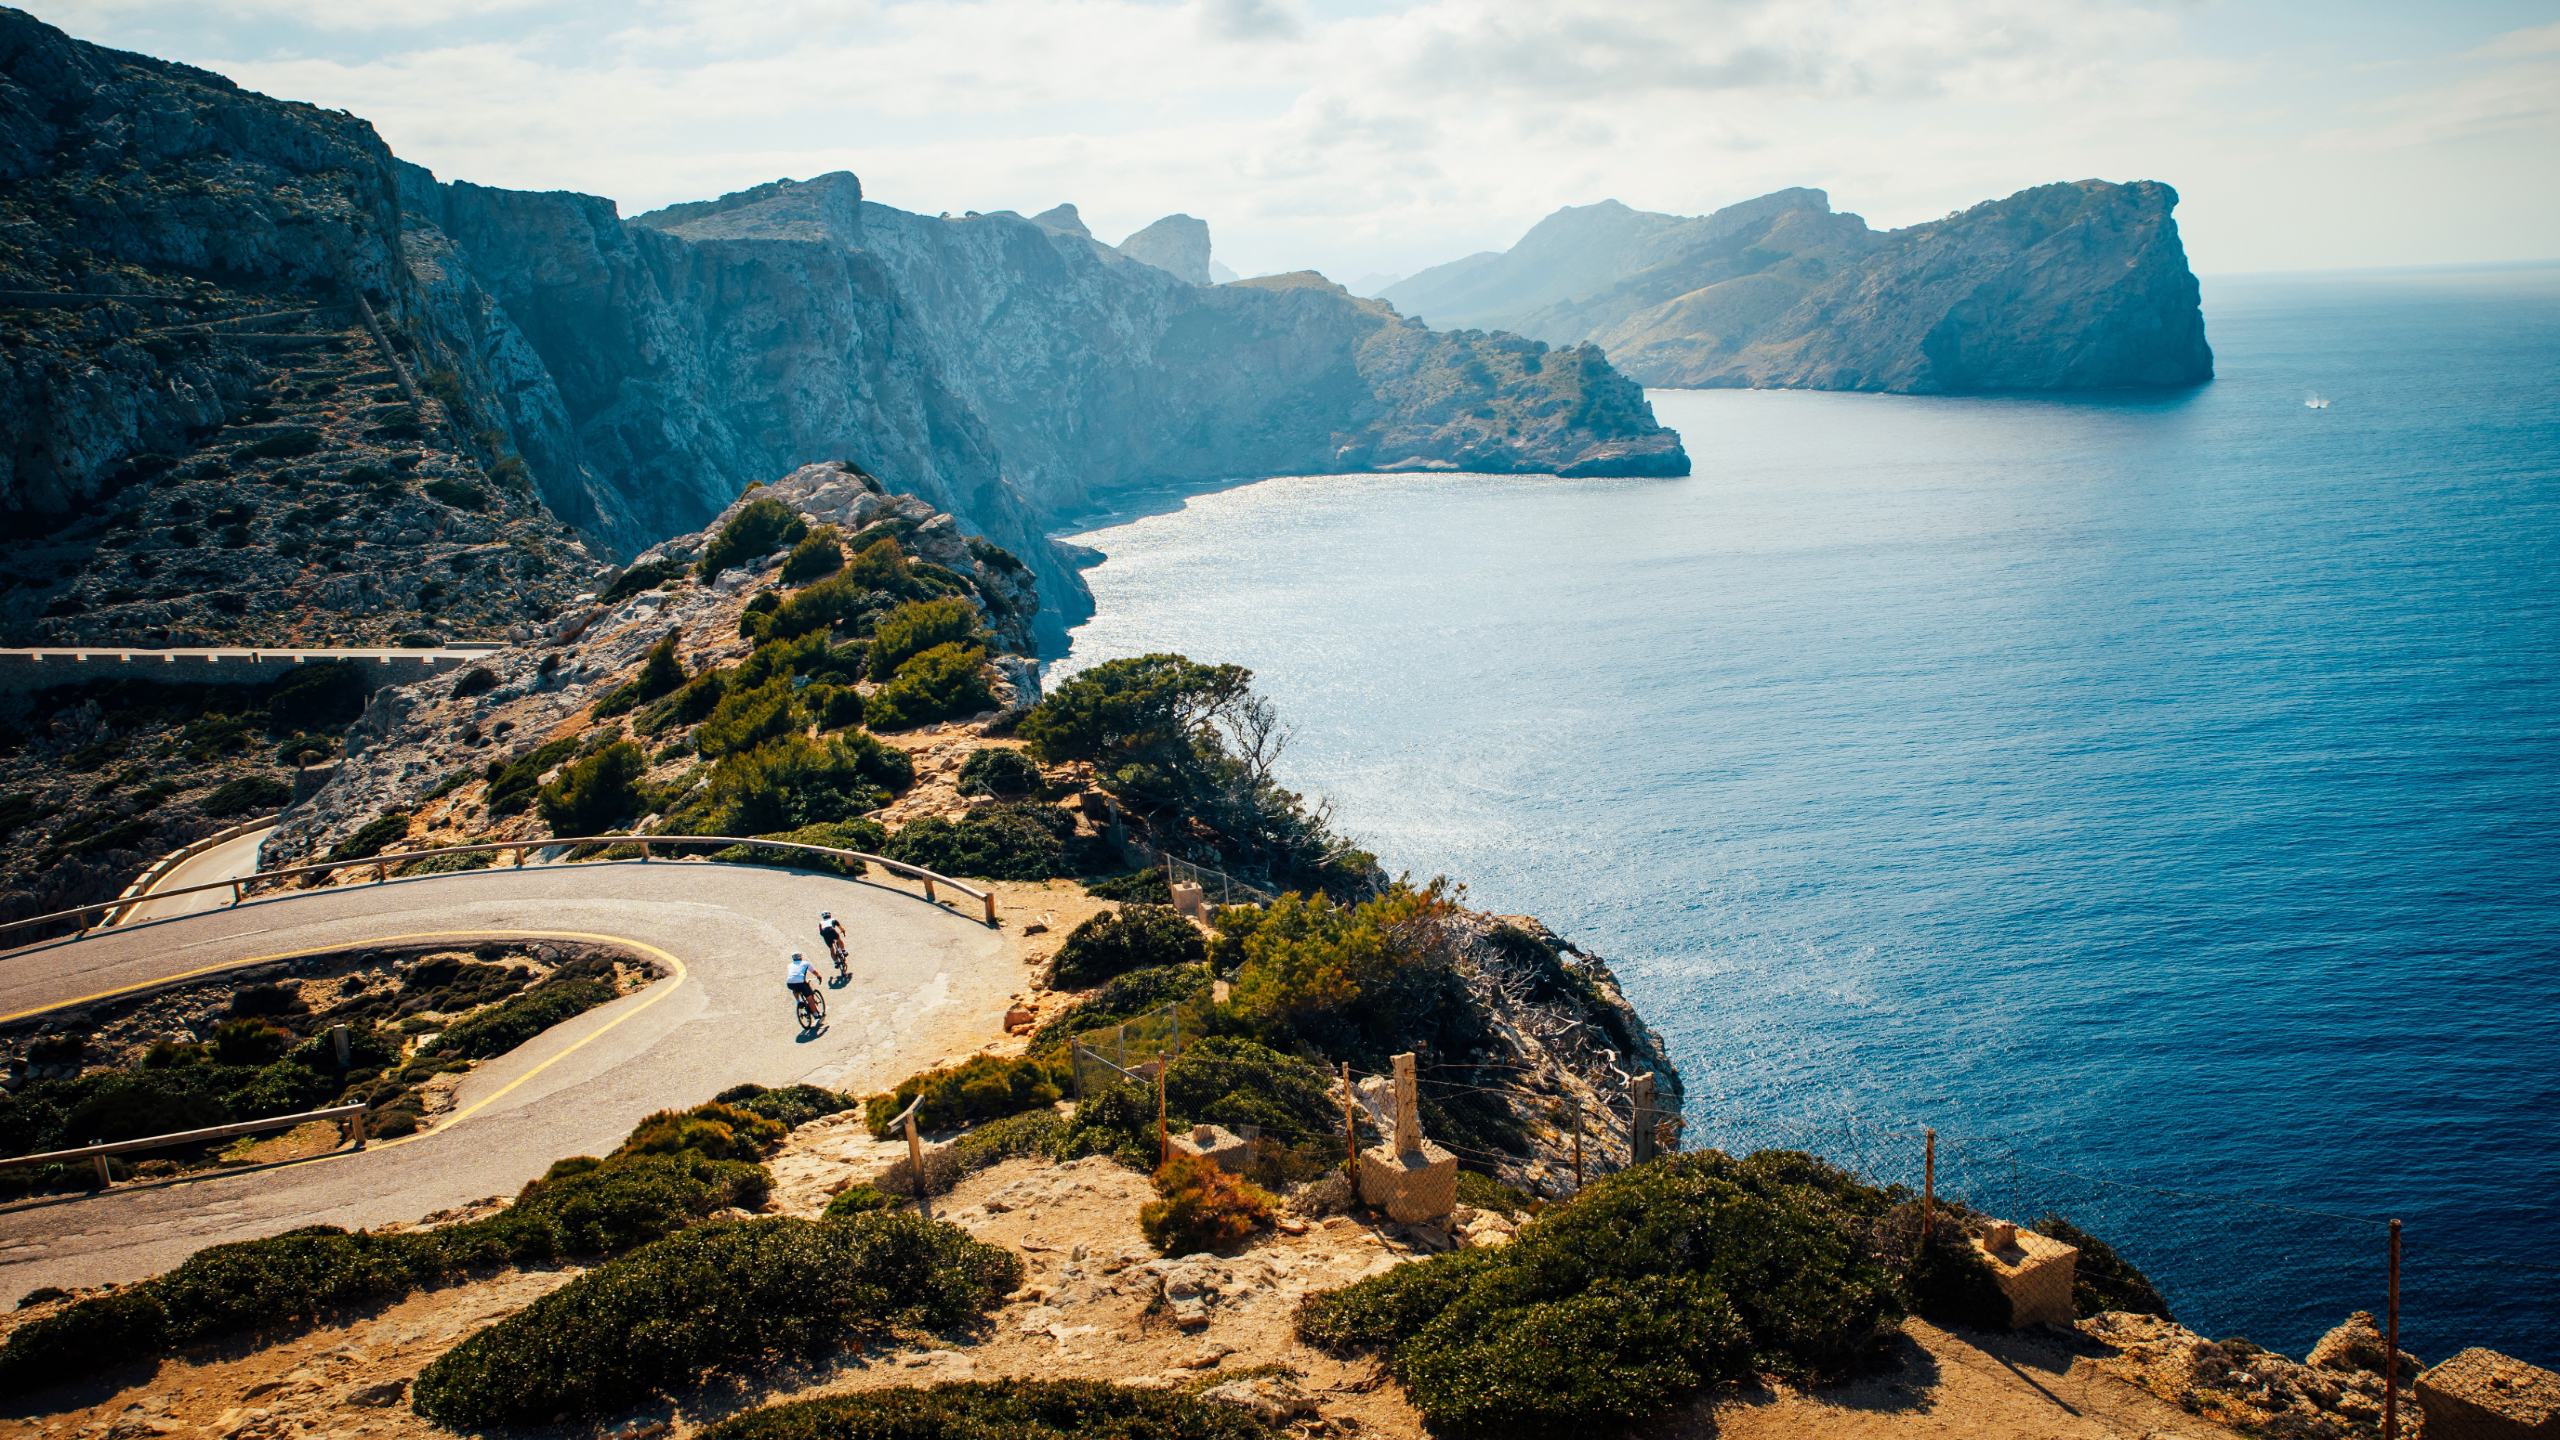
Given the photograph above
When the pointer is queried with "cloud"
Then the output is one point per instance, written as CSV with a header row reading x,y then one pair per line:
x,y
1383,138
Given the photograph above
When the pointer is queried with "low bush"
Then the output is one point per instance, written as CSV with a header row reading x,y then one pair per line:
x,y
513,784
503,1027
1011,1409
1648,1286
943,683
732,1295
1124,997
819,554
244,794
1483,1192
720,1131
1230,1081
790,1106
1201,1207
921,625
795,781
747,718
1003,842
580,1207
834,707
858,1200
999,771
879,565
818,609
1015,1137
983,1087
863,835
371,837
760,527
1133,937
596,794
1118,1120
1142,887
661,673
642,577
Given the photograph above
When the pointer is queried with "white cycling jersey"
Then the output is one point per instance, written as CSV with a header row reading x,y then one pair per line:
x,y
799,972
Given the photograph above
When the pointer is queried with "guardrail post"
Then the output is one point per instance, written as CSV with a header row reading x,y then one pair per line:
x,y
381,871
355,1129
238,889
928,886
990,898
106,1177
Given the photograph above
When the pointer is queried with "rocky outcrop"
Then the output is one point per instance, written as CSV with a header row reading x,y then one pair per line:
x,y
2077,286
214,416
637,374
1176,244
1064,220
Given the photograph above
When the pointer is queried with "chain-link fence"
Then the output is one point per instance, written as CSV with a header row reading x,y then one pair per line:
x,y
1124,1051
1217,887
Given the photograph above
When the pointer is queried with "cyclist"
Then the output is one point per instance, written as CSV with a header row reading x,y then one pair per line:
x,y
799,979
831,930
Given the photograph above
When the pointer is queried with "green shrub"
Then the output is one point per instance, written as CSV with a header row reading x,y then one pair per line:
x,y
1124,997
1483,1192
514,783
920,625
660,673
819,554
1144,887
723,1296
812,655
503,1027
646,576
983,1087
818,608
862,835
790,1106
1950,1283
598,793
1001,1410
580,1207
1033,1132
1004,842
2105,1280
1116,1119
1648,1286
760,527
1231,1081
369,839
1201,1207
1133,937
837,707
720,1131
858,1200
944,683
999,771
1353,980
244,794
795,781
880,565
745,719
456,494
83,1338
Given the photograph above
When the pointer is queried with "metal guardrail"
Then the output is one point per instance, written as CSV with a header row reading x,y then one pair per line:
x,y
140,890
382,866
352,1114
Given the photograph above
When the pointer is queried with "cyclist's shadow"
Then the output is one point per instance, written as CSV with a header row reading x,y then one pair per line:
x,y
811,1032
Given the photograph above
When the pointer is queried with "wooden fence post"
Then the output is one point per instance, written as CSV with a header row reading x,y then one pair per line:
x,y
1640,1091
1577,1143
1164,1140
2391,1347
915,1165
1929,1187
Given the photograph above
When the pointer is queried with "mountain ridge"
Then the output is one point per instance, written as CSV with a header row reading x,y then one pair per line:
x,y
2077,285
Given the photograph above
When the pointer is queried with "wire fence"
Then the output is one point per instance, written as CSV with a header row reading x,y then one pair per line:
x,y
1217,887
1125,1051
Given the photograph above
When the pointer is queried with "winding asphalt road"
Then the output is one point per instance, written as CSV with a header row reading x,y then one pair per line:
x,y
229,860
926,981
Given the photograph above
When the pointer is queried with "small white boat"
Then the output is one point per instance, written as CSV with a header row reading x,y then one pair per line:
x,y
2315,401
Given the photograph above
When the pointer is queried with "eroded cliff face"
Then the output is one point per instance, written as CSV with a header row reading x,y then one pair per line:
x,y
2077,286
547,364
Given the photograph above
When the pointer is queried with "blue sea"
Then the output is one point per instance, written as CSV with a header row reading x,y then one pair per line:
x,y
2158,796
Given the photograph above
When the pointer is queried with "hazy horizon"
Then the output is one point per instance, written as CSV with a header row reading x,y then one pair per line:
x,y
1373,140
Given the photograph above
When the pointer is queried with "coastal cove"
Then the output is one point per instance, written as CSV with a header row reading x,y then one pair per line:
x,y
2155,794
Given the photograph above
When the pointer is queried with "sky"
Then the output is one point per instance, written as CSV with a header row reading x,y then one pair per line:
x,y
1368,140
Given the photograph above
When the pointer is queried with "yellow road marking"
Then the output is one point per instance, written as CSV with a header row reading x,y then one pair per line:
x,y
655,993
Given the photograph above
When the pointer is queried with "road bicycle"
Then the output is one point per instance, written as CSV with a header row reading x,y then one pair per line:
x,y
810,1006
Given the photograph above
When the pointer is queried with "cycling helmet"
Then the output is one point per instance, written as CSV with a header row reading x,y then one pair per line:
x,y
826,915
795,955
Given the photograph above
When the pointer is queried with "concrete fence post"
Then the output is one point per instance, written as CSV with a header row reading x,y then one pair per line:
x,y
1408,1106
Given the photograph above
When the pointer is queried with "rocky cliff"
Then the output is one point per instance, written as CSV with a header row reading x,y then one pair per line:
x,y
1176,244
2062,287
557,371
